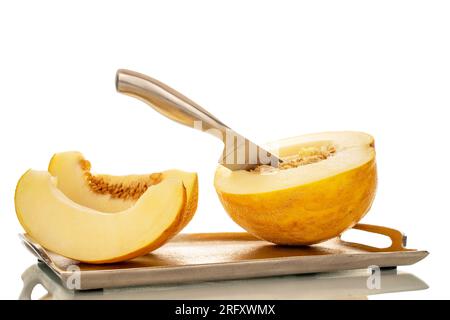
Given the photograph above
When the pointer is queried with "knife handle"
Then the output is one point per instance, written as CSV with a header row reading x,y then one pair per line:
x,y
168,102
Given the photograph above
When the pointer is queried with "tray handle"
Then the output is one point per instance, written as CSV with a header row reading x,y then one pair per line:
x,y
31,278
398,239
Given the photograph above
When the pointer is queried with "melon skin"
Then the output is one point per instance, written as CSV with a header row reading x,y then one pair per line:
x,y
305,214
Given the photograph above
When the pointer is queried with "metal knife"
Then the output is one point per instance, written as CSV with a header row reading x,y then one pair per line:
x,y
239,153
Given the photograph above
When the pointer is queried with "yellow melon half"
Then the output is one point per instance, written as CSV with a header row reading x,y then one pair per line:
x,y
326,185
81,233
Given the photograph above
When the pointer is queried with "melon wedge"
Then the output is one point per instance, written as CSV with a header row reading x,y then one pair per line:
x,y
110,194
85,234
327,185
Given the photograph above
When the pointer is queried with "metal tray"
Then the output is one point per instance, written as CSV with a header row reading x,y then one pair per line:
x,y
224,256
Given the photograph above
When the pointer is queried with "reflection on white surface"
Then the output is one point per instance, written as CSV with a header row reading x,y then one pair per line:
x,y
336,285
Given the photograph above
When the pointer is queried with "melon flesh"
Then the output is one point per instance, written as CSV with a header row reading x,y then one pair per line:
x,y
63,226
71,168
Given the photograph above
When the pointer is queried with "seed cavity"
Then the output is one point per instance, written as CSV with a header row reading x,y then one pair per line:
x,y
119,190
305,156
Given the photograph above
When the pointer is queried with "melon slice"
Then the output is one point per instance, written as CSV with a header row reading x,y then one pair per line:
x,y
325,185
81,233
108,193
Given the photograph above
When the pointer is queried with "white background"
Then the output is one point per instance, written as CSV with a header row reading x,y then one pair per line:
x,y
268,69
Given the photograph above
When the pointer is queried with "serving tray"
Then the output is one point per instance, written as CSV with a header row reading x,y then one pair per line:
x,y
225,256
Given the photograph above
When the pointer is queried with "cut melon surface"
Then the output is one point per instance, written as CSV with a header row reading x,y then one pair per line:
x,y
349,153
328,188
88,235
